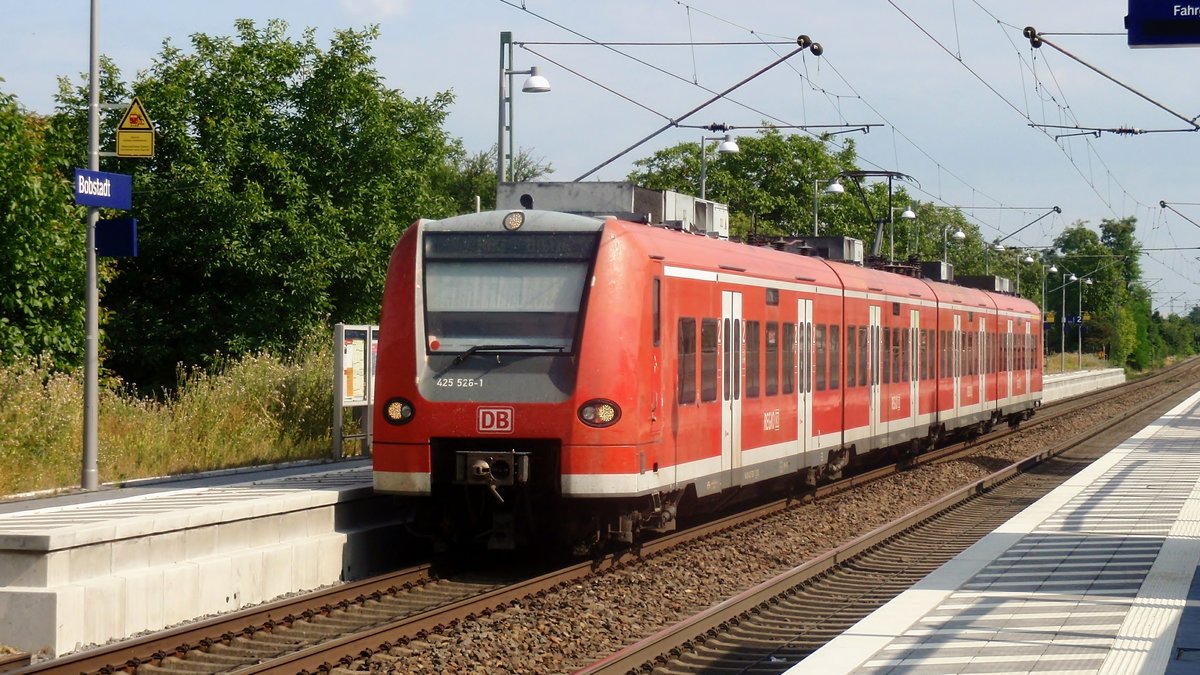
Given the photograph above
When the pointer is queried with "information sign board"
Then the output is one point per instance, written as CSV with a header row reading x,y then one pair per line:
x,y
1163,23
135,133
98,188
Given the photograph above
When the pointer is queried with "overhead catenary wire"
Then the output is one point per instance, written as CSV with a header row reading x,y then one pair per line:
x,y
694,110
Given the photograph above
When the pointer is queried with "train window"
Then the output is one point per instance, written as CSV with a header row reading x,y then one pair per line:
x,y
874,359
943,355
864,355
485,289
896,359
887,355
708,360
656,301
820,358
687,360
906,370
737,359
991,352
895,309
970,354
772,296
753,346
851,357
725,343
771,374
835,357
789,358
806,356
924,355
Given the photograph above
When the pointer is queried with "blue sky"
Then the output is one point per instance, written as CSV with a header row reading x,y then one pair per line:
x,y
951,84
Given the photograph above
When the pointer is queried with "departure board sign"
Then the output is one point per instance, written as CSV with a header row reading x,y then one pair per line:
x,y
1163,23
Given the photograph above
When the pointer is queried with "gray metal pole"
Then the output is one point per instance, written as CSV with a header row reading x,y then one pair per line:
x,y
1062,335
91,391
816,196
505,42
339,388
703,170
1079,325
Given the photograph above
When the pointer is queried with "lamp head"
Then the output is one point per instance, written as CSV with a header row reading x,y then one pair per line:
x,y
834,188
728,145
1054,269
535,84
908,214
1073,278
1028,259
959,235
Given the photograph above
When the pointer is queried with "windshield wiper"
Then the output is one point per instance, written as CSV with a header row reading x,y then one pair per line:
x,y
505,348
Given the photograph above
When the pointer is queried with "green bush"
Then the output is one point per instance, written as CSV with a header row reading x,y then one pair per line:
x,y
259,409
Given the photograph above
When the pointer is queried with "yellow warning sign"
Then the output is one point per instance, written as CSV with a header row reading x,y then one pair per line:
x,y
135,118
135,133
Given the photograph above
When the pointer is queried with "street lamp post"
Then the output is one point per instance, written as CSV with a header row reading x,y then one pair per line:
x,y
535,84
1027,260
728,145
834,188
1079,324
987,256
1053,270
906,214
959,235
1062,345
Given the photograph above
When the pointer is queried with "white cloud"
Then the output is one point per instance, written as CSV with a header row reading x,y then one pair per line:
x,y
375,9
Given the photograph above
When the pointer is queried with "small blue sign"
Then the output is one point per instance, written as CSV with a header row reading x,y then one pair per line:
x,y
116,237
97,188
1163,23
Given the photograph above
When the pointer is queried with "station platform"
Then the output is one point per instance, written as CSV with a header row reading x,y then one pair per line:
x,y
85,568
1099,576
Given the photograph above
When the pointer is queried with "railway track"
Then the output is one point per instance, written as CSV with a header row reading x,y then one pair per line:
x,y
343,626
776,624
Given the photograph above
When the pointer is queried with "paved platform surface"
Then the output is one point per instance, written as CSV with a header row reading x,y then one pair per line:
x,y
1096,577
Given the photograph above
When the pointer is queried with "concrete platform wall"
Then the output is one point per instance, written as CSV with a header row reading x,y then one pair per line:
x,y
1058,387
145,566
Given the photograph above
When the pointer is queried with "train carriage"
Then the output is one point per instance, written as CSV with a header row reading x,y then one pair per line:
x,y
585,379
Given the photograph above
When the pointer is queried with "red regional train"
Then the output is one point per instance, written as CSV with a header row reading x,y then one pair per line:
x,y
543,374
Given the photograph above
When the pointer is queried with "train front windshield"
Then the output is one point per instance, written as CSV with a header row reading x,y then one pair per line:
x,y
523,289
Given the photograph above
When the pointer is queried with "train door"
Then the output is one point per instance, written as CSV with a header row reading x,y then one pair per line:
x,y
914,343
876,390
956,362
1008,360
731,380
659,373
1027,356
981,362
804,427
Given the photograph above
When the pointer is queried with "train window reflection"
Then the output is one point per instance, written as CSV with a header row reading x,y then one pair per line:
x,y
533,303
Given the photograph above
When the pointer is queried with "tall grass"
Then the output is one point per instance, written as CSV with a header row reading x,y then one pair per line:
x,y
253,410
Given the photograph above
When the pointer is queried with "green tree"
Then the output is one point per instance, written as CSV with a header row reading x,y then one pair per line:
x,y
768,183
283,176
41,243
467,176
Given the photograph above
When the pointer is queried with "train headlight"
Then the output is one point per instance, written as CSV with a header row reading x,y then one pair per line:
x,y
599,413
513,221
398,411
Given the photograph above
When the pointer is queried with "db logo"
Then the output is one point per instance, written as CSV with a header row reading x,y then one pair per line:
x,y
494,420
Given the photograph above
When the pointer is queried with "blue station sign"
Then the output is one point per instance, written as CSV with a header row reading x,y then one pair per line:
x,y
1163,23
97,188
